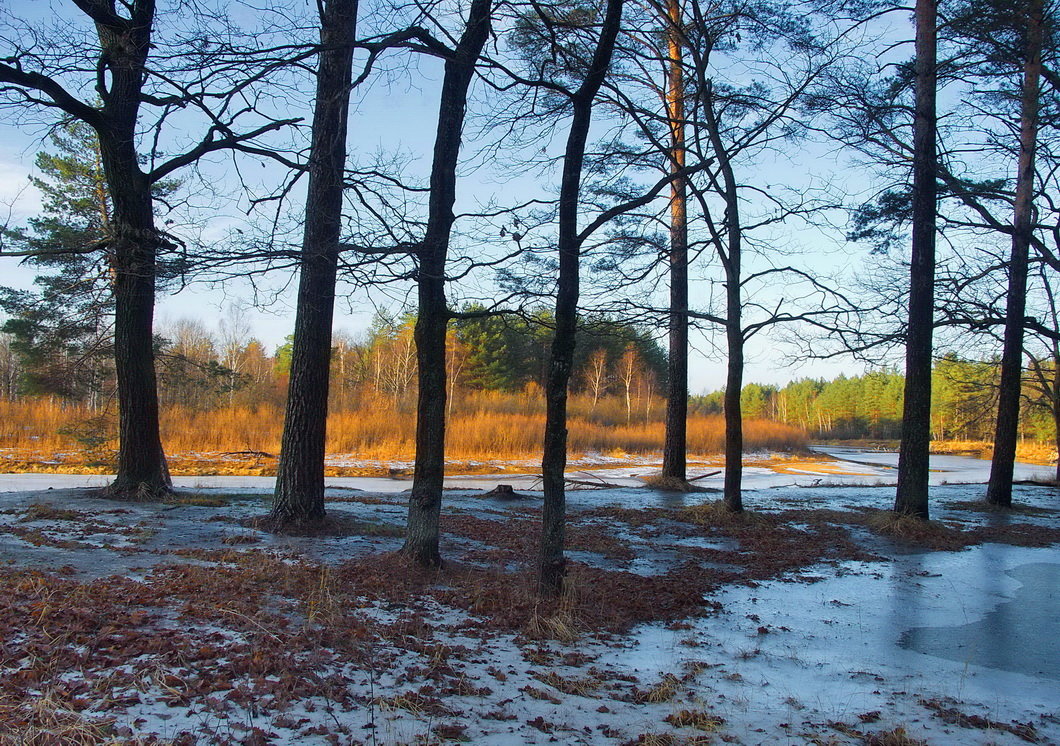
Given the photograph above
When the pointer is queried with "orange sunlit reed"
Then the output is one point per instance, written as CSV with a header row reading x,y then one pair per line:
x,y
482,425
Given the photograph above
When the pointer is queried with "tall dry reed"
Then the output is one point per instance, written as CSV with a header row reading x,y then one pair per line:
x,y
482,425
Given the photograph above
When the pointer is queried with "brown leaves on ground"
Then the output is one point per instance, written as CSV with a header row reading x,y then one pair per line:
x,y
335,523
254,631
951,715
930,535
241,627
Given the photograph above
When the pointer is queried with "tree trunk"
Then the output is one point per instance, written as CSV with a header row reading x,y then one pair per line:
x,y
732,490
999,488
731,255
142,471
421,538
299,494
1055,404
912,492
552,564
124,48
675,442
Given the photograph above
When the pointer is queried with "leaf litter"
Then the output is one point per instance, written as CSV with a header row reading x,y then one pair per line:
x,y
158,623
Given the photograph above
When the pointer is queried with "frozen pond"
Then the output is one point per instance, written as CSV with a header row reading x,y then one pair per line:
x,y
854,467
1020,634
945,469
939,628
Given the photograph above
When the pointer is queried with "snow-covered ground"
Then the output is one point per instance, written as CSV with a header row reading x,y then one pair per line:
x,y
180,622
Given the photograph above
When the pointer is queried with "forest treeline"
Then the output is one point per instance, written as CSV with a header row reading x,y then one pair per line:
x,y
203,369
869,406
496,369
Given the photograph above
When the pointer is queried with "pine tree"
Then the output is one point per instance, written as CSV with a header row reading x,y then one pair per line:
x,y
62,328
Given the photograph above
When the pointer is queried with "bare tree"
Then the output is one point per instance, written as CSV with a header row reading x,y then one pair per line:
x,y
628,366
299,496
131,71
595,374
553,463
1044,369
234,334
999,488
421,538
730,122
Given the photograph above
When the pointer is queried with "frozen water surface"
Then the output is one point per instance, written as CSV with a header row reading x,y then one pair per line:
x,y
858,467
865,645
880,637
1021,634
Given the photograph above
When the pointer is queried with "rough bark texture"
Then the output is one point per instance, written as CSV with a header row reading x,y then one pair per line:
x,y
732,490
999,488
124,48
1056,430
551,564
142,468
675,442
731,255
299,494
421,538
912,492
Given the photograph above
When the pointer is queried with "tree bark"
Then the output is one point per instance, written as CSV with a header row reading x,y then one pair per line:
x,y
124,47
299,496
421,538
675,441
912,493
142,471
731,255
1055,406
552,564
999,488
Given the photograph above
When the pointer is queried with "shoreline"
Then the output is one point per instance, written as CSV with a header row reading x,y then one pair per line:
x,y
258,464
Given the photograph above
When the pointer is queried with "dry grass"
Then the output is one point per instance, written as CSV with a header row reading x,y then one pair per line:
x,y
665,689
196,499
560,625
669,484
484,425
896,737
698,719
907,527
581,686
1027,451
560,621
715,513
45,512
669,739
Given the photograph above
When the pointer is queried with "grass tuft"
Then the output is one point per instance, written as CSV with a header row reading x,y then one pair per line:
x,y
907,527
46,512
715,513
895,737
698,719
665,689
671,484
196,499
